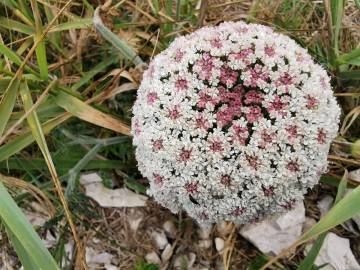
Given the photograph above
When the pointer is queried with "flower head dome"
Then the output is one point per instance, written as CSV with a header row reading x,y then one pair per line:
x,y
233,122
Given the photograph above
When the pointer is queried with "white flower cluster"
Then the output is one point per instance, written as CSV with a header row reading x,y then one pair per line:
x,y
233,122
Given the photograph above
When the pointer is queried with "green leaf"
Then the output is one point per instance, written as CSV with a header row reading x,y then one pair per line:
x,y
9,3
119,44
357,2
75,171
342,188
352,58
7,104
63,164
95,70
41,60
24,257
26,240
78,24
22,141
342,211
337,10
350,75
36,128
13,57
40,49
257,262
141,265
24,7
135,185
309,260
16,26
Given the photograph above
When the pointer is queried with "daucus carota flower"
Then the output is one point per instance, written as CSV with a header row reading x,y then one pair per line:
x,y
234,123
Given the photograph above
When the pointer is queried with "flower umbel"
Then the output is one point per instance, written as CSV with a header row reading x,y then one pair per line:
x,y
233,122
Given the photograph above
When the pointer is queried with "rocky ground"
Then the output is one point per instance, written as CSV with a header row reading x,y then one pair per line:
x,y
133,232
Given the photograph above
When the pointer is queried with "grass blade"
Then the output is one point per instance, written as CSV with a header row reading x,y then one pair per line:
x,y
25,235
24,257
357,2
13,57
64,164
350,75
22,141
54,38
38,134
9,4
16,26
41,60
40,48
337,10
309,261
119,44
345,209
87,113
342,211
78,24
352,58
7,105
95,70
342,188
81,164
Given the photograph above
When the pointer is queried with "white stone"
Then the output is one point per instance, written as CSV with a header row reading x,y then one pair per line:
x,y
152,257
170,228
94,257
134,218
111,267
325,205
35,218
275,234
106,197
69,252
167,253
96,240
219,244
355,175
205,244
160,239
134,223
335,252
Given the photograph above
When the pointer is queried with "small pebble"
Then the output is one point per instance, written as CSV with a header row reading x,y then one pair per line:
x,y
205,244
152,257
219,244
170,229
325,205
160,239
167,253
